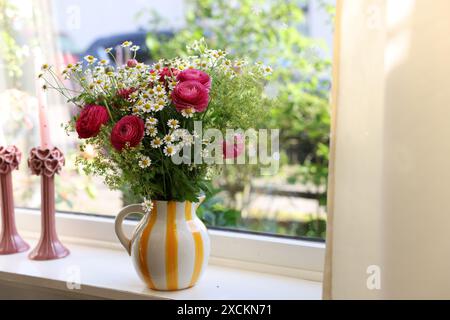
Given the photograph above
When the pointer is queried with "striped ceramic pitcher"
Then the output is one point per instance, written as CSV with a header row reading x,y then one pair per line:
x,y
169,247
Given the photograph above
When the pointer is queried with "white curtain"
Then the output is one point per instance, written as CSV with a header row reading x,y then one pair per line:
x,y
28,40
389,234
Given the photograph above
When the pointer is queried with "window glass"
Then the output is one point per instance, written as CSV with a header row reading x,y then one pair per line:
x,y
294,37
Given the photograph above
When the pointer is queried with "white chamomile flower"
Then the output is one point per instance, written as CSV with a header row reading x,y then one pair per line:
x,y
188,139
152,131
153,76
151,121
172,84
173,124
170,150
160,89
108,50
134,95
267,70
157,66
145,162
158,107
169,139
103,62
188,113
147,107
147,205
127,44
90,59
156,143
135,48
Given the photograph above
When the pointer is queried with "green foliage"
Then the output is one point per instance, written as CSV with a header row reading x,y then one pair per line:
x,y
215,214
238,103
272,32
10,51
308,125
236,98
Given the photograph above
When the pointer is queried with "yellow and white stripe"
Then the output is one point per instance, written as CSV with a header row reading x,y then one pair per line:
x,y
170,249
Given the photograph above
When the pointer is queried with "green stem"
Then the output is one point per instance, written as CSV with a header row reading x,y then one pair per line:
x,y
163,172
109,111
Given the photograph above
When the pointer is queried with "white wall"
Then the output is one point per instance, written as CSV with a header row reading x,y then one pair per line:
x,y
392,178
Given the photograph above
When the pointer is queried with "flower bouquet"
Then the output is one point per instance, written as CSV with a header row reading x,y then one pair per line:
x,y
146,124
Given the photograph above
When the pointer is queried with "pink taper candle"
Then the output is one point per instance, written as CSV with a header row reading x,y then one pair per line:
x,y
43,119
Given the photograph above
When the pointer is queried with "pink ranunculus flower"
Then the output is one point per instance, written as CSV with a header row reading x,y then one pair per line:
x,y
132,63
129,131
125,93
90,120
190,94
167,73
196,75
234,148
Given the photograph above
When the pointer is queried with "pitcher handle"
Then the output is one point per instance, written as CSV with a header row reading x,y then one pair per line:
x,y
201,199
125,212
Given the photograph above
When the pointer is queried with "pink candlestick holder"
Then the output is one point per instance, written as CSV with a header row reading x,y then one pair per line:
x,y
46,163
10,240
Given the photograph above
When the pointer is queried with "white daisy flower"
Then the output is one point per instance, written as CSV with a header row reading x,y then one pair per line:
x,y
103,62
135,48
156,143
152,121
170,150
183,134
157,66
147,205
147,107
145,162
188,139
157,107
168,139
173,84
152,131
127,44
134,95
154,76
188,113
160,89
108,50
267,70
90,59
173,124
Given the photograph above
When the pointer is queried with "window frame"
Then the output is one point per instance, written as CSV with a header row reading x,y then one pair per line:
x,y
263,253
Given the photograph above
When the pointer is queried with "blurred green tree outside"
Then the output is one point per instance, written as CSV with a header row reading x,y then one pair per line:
x,y
272,32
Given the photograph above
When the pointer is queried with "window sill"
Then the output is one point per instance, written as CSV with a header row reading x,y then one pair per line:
x,y
260,253
108,273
